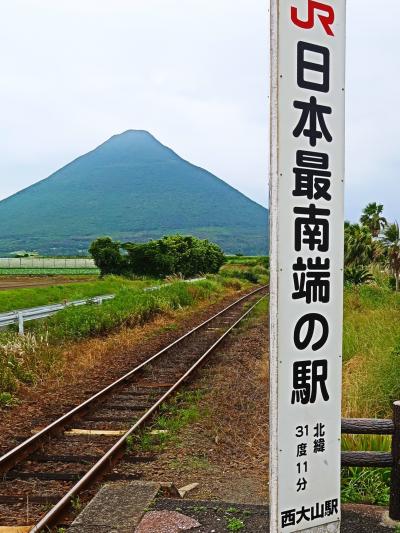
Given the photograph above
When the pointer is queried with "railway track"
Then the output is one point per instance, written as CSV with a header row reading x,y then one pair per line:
x,y
44,474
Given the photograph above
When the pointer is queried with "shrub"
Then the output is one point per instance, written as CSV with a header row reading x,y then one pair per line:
x,y
172,255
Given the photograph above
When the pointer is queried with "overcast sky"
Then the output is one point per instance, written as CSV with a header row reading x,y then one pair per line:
x,y
195,74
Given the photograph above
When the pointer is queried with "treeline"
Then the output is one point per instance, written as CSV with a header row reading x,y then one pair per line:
x,y
174,254
373,241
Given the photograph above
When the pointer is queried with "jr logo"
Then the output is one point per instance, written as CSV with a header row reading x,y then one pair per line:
x,y
325,13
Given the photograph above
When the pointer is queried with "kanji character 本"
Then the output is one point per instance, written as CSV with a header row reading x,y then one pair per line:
x,y
331,507
317,511
311,281
303,514
326,20
319,430
288,518
320,68
319,445
302,449
313,113
311,229
308,378
301,484
312,178
310,320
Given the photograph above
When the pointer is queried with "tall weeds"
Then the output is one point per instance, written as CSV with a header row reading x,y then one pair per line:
x,y
371,346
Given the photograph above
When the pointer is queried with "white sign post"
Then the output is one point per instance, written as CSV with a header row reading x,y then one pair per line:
x,y
306,228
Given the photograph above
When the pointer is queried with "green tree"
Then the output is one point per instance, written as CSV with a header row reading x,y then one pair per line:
x,y
107,256
373,219
391,240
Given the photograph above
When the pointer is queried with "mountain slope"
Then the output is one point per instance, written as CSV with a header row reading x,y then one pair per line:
x,y
131,188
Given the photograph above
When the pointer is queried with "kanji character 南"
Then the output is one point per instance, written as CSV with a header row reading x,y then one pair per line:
x,y
311,228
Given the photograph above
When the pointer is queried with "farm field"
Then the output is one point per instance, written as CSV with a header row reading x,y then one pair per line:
x,y
20,282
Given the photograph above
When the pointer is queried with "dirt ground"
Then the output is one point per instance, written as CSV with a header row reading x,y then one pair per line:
x,y
226,451
216,517
22,282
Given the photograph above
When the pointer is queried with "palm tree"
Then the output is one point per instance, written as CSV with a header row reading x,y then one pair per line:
x,y
391,239
358,245
372,218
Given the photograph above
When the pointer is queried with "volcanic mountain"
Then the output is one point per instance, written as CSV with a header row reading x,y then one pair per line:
x,y
131,188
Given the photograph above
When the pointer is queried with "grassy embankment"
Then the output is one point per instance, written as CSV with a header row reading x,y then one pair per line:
x,y
29,359
371,380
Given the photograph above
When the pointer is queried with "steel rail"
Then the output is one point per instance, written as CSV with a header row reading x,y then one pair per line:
x,y
9,459
107,459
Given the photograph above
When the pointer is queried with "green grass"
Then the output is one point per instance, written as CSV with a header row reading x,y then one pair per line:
x,y
7,399
366,485
49,271
36,296
234,524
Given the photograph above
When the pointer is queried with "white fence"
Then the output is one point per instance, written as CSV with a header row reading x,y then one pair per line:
x,y
45,262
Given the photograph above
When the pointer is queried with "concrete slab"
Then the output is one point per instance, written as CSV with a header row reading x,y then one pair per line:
x,y
117,508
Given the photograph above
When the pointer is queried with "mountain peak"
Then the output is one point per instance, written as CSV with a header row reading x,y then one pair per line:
x,y
134,134
132,188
